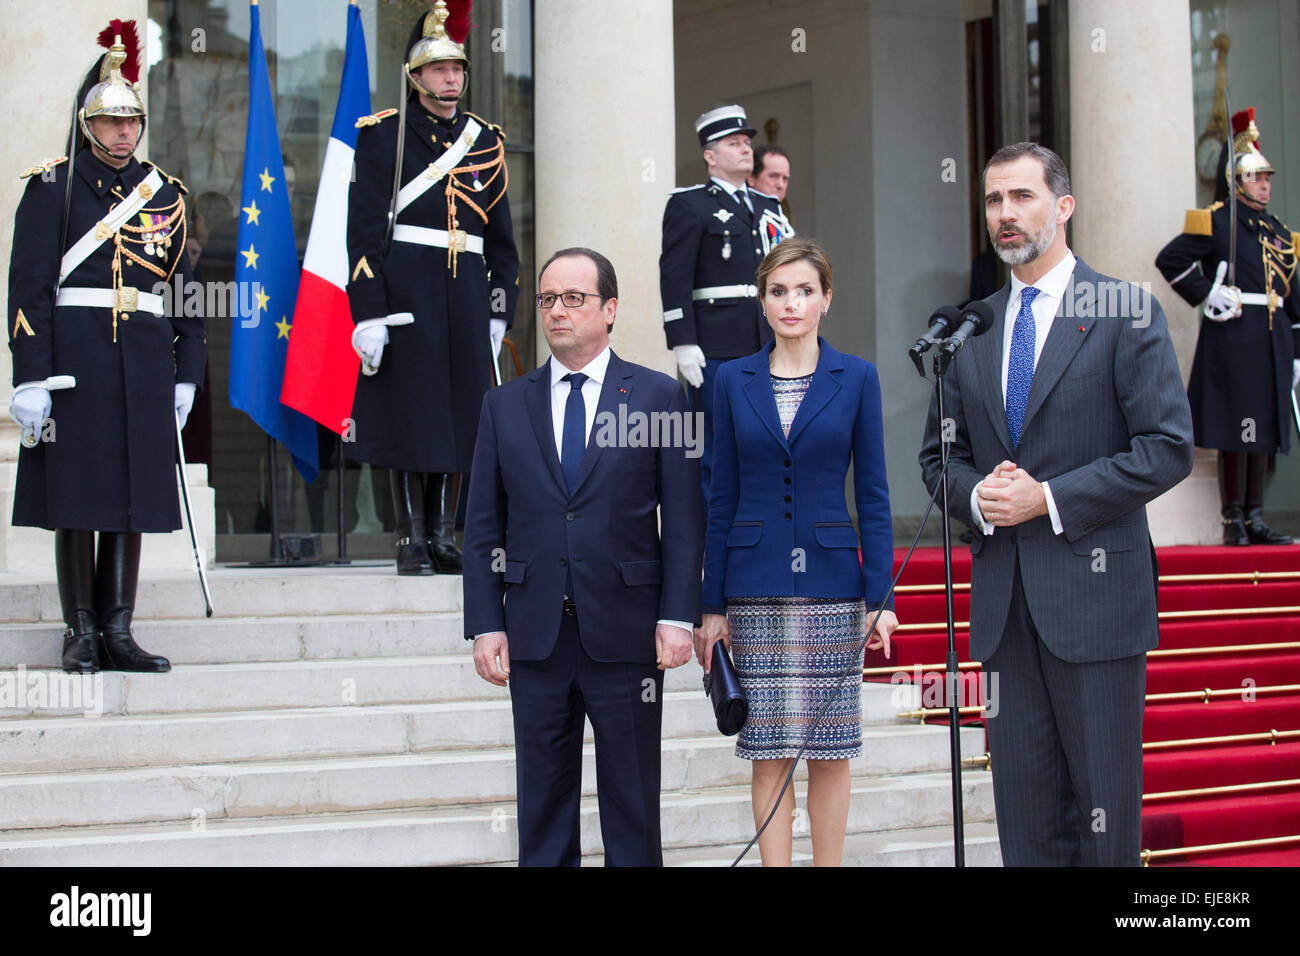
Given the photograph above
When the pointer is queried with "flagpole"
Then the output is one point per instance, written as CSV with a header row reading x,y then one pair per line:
x,y
343,534
273,459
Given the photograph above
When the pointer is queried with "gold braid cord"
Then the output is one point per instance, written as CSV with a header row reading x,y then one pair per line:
x,y
1280,264
128,235
458,190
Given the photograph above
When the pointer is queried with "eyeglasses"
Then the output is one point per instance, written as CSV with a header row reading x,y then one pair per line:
x,y
571,300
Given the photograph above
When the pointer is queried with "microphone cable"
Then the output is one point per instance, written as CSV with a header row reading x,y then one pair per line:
x,y
856,671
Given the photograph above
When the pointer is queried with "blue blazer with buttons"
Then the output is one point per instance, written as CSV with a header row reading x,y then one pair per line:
x,y
778,524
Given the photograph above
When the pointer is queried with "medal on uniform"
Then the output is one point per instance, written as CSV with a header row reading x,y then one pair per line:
x,y
477,185
726,244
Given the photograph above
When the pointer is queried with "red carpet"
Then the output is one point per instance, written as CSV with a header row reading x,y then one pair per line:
x,y
1196,820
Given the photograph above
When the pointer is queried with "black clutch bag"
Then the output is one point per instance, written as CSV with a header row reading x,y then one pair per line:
x,y
722,686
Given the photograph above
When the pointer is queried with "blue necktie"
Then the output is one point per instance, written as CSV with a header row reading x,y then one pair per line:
x,y
573,441
1020,366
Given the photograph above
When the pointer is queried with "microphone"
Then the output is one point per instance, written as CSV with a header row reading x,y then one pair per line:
x,y
944,319
976,319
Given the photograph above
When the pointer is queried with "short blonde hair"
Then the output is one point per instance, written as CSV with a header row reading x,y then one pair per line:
x,y
795,249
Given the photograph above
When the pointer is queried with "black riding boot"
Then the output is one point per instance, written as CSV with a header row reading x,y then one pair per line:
x,y
117,572
1260,533
442,499
408,506
74,558
1232,483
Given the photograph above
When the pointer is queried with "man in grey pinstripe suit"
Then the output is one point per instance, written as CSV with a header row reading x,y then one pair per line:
x,y
1064,421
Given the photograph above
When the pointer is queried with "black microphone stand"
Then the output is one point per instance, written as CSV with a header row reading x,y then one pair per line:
x,y
941,359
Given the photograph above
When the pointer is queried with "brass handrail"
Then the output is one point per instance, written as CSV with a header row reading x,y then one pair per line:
x,y
1224,649
1207,693
878,671
1226,788
938,712
1253,577
1269,736
1149,855
982,761
1162,615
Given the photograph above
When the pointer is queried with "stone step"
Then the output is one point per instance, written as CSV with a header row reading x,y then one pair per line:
x,y
267,788
253,592
54,744
302,684
920,846
459,834
250,640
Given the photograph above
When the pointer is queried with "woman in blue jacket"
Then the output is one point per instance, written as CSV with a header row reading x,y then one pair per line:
x,y
783,585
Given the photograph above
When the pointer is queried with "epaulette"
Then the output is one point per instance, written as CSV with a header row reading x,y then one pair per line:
x,y
492,126
1198,222
167,176
375,118
686,189
1295,240
43,168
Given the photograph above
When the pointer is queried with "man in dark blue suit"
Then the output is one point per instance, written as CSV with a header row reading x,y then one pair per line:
x,y
1063,422
583,545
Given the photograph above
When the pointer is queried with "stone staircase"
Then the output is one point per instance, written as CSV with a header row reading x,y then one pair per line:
x,y
332,716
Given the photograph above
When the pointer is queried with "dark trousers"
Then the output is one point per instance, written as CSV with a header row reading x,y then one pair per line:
x,y
624,702
1066,751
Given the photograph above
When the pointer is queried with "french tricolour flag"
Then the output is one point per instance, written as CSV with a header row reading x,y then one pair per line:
x,y
320,374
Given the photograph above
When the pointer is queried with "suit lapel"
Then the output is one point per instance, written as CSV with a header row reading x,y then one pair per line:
x,y
821,390
989,360
758,392
539,413
1062,343
614,391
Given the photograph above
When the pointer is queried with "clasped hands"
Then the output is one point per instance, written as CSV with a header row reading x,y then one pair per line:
x,y
1009,496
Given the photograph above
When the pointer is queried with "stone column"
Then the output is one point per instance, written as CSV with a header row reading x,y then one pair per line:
x,y
604,110
1134,176
50,48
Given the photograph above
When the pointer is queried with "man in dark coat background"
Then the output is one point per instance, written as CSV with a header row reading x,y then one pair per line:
x,y
452,264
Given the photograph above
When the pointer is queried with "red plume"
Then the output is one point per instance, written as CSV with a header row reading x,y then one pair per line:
x,y
1242,119
130,39
457,25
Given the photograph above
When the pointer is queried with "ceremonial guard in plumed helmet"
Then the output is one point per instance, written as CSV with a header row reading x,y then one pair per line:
x,y
433,285
714,236
103,363
1248,351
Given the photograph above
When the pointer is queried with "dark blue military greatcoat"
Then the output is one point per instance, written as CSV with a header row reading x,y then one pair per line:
x,y
109,461
420,411
1241,374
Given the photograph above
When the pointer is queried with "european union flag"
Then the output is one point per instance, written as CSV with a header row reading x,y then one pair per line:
x,y
267,267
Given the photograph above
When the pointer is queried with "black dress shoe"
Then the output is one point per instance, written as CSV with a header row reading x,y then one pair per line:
x,y
413,557
119,652
80,652
1260,533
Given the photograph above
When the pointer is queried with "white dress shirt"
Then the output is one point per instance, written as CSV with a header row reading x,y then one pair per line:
x,y
733,190
595,370
1051,290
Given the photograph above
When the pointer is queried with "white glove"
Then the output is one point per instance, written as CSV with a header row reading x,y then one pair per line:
x,y
184,401
30,407
690,362
371,342
497,333
1224,301
1295,373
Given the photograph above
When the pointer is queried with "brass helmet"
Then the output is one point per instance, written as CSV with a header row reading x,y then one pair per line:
x,y
438,37
1248,159
117,92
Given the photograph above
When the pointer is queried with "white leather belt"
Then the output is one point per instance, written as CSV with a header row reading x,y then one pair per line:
x,y
132,299
111,223
1257,298
436,237
725,292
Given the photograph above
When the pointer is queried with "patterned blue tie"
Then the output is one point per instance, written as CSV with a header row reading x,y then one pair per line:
x,y
1020,366
573,440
